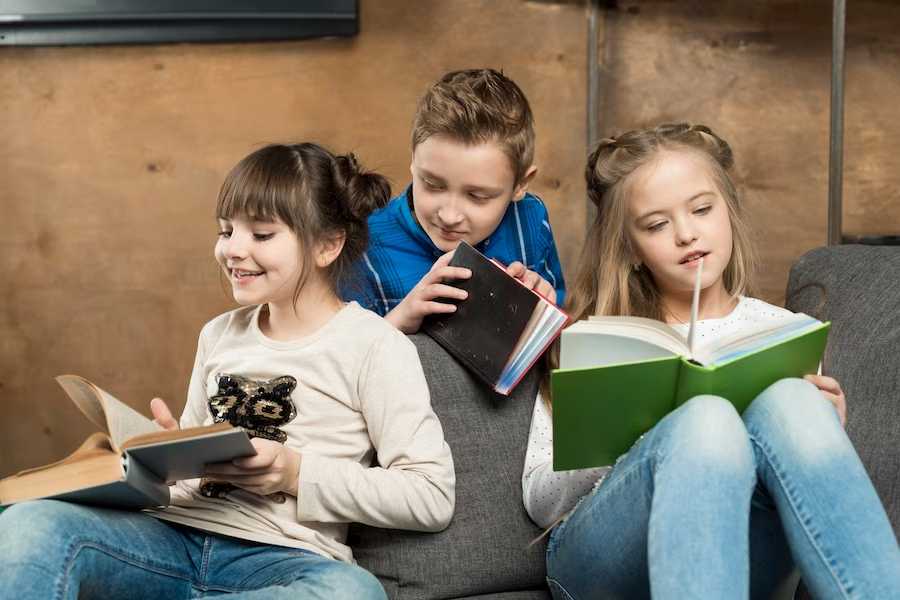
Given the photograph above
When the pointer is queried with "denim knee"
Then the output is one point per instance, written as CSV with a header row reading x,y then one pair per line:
x,y
37,520
708,430
353,582
794,414
791,398
33,526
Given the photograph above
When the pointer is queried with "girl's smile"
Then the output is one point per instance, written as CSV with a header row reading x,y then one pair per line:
x,y
263,261
241,277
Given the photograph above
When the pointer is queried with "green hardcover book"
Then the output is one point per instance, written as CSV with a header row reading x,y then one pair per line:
x,y
619,376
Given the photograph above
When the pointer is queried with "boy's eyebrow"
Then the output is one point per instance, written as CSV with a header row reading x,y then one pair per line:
x,y
425,173
696,196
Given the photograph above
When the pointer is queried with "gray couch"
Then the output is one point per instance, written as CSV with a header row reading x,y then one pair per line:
x,y
857,288
485,553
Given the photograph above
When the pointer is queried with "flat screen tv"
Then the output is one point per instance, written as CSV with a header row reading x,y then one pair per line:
x,y
67,22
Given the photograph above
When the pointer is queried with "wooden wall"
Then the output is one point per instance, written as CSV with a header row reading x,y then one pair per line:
x,y
759,74
111,157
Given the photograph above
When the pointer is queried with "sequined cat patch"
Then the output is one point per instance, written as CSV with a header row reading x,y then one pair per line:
x,y
260,407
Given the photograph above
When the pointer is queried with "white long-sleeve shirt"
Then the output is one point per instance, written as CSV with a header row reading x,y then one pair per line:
x,y
549,494
359,390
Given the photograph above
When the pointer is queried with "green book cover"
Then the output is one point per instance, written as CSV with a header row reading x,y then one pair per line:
x,y
599,412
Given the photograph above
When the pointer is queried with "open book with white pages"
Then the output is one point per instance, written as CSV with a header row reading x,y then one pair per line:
x,y
618,376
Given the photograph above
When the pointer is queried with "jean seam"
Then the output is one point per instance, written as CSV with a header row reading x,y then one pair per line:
x,y
77,548
810,535
557,586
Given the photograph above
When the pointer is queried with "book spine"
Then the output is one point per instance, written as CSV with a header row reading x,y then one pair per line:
x,y
154,489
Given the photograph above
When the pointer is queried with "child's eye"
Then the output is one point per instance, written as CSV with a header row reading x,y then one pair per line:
x,y
703,210
430,185
657,226
261,237
224,233
478,198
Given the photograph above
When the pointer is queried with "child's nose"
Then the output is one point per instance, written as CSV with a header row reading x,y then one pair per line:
x,y
685,234
450,213
235,247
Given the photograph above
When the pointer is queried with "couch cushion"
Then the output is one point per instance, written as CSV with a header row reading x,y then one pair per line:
x,y
857,288
485,549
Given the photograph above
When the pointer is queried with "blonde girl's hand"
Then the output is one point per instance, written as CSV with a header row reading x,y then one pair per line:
x,y
532,280
422,299
162,416
275,468
831,389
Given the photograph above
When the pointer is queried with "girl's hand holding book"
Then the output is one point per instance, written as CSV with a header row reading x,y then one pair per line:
x,y
275,468
831,389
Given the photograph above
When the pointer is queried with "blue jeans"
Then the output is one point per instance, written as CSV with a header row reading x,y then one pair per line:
x,y
51,549
709,504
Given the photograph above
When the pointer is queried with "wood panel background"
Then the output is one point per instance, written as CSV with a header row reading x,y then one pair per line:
x,y
111,157
759,74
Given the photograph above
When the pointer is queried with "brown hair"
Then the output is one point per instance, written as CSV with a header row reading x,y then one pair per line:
x,y
316,194
606,282
474,107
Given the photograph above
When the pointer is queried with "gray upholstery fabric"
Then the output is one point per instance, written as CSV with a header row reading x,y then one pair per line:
x,y
857,288
484,552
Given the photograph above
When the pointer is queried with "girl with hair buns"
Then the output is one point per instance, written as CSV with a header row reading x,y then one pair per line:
x,y
321,385
708,503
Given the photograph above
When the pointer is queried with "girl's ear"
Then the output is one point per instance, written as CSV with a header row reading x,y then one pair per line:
x,y
330,248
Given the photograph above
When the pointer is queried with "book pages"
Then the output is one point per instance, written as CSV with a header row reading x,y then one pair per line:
x,y
85,398
118,419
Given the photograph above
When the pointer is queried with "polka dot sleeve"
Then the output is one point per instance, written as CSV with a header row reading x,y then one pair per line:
x,y
549,494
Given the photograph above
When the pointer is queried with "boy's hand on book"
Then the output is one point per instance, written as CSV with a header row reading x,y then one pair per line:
x,y
831,389
422,299
275,468
162,416
532,281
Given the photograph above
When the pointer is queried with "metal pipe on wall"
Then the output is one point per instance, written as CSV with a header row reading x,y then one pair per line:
x,y
593,87
836,156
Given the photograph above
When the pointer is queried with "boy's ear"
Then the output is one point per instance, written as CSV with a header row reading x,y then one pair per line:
x,y
522,186
330,249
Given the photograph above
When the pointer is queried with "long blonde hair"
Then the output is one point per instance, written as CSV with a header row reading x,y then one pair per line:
x,y
606,283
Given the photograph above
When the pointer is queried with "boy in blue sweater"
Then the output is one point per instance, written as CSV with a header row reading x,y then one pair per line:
x,y
473,143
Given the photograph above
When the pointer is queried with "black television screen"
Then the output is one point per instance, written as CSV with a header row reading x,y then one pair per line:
x,y
65,22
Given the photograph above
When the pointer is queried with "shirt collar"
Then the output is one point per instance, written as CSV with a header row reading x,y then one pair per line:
x,y
407,219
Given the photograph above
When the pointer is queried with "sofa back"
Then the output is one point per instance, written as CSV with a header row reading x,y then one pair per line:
x,y
485,550
857,288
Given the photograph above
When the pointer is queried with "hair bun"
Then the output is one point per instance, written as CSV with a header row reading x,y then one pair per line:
x,y
360,193
352,165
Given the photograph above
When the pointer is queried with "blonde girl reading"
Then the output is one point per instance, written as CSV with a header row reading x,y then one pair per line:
x,y
709,503
322,385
